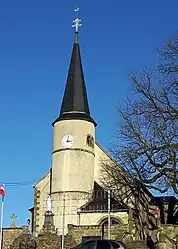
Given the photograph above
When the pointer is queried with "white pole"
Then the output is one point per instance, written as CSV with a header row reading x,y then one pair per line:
x,y
109,213
2,214
63,222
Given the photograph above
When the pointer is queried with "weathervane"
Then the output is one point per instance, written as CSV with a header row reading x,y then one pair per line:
x,y
77,21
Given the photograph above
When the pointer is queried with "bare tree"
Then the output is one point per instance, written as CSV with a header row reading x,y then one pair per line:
x,y
133,194
146,155
148,135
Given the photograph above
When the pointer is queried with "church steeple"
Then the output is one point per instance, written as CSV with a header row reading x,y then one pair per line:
x,y
75,102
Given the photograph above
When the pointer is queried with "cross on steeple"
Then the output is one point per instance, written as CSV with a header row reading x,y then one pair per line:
x,y
77,21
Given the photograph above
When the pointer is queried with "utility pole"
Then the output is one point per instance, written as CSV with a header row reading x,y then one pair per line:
x,y
1,229
2,192
63,221
109,213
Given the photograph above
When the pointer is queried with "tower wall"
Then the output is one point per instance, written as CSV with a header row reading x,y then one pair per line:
x,y
73,168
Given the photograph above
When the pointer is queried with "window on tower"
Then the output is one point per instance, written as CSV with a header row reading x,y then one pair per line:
x,y
90,141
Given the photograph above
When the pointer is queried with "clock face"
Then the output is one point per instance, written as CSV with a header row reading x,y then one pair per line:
x,y
68,141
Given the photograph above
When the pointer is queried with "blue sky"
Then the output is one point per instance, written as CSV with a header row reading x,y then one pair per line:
x,y
36,40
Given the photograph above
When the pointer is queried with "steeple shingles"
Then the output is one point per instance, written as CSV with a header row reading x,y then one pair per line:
x,y
75,102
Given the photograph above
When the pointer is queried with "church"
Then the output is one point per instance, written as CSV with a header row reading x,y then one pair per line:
x,y
71,202
71,190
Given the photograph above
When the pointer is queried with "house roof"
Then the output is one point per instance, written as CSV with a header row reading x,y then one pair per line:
x,y
99,202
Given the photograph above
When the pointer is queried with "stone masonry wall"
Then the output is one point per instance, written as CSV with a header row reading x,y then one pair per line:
x,y
77,232
117,233
167,236
36,210
9,235
74,237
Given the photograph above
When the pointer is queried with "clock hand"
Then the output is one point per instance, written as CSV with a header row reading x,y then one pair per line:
x,y
69,140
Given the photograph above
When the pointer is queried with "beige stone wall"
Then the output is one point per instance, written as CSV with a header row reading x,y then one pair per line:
x,y
96,218
100,156
171,230
9,235
67,204
72,217
168,237
73,168
78,232
16,239
41,191
73,200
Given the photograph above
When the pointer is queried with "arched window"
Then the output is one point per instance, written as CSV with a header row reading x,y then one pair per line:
x,y
90,141
114,221
104,225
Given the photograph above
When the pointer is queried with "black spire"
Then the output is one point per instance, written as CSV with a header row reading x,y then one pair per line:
x,y
75,102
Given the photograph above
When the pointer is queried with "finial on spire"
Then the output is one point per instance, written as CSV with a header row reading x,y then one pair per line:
x,y
77,23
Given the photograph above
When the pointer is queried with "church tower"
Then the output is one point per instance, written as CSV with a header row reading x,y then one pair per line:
x,y
73,152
